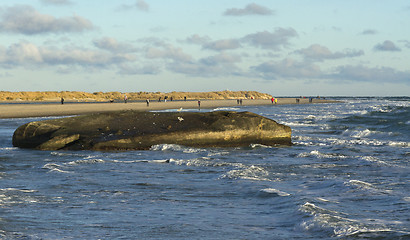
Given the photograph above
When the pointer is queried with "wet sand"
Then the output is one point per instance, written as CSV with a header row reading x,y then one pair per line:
x,y
51,109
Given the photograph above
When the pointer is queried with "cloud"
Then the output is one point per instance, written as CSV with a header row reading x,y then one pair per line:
x,y
28,55
26,20
133,69
387,46
56,2
271,40
287,69
369,32
250,9
320,53
366,74
142,5
221,45
219,65
196,39
111,44
167,51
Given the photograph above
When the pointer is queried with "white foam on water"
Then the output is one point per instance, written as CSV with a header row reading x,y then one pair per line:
x,y
201,162
8,148
398,144
86,161
318,154
362,185
226,109
256,145
255,173
275,191
176,148
338,222
18,190
53,167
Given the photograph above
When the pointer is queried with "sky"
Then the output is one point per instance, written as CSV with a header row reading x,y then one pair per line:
x,y
281,47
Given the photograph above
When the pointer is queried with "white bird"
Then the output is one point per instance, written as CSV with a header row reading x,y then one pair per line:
x,y
180,119
179,110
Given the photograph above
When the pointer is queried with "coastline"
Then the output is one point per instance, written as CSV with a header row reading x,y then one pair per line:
x,y
25,110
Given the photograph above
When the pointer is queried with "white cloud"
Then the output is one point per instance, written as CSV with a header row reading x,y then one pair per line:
x,y
367,74
387,46
318,52
196,39
167,51
56,2
222,64
287,69
26,20
28,54
221,45
142,5
369,32
111,44
250,9
271,40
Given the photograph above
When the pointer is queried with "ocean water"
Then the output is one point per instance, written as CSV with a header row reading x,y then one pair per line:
x,y
347,176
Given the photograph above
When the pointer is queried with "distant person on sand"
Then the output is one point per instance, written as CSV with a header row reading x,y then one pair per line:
x,y
272,100
185,98
199,104
276,100
147,102
240,101
125,98
62,100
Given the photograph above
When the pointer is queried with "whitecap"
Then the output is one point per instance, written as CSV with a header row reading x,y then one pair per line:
x,y
86,161
201,162
341,225
318,154
398,144
275,191
362,185
256,145
226,109
255,173
53,167
175,147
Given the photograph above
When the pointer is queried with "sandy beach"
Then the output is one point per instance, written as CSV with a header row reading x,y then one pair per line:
x,y
50,109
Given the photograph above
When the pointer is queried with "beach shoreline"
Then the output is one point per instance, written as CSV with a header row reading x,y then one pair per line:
x,y
30,109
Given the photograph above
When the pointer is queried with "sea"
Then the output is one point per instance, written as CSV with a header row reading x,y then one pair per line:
x,y
346,176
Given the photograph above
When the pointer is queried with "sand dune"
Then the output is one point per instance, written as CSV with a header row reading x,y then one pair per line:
x,y
54,109
132,96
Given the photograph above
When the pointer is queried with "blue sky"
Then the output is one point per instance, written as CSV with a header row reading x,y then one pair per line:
x,y
282,47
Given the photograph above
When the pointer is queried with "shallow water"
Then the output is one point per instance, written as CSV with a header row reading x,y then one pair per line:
x,y
345,177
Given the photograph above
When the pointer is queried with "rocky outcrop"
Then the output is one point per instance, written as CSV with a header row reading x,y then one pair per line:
x,y
132,130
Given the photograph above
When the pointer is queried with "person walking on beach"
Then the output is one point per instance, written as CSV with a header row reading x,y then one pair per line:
x,y
199,104
147,102
125,98
272,99
276,100
62,101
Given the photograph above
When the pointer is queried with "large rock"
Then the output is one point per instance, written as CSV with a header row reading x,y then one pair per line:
x,y
132,130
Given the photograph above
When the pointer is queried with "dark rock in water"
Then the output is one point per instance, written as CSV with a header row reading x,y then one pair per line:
x,y
133,130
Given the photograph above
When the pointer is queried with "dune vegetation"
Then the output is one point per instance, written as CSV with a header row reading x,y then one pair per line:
x,y
132,96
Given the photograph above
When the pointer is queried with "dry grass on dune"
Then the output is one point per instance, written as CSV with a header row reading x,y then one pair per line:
x,y
107,96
